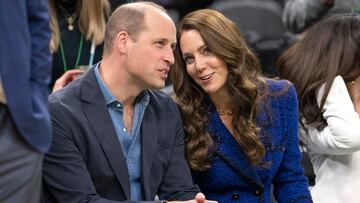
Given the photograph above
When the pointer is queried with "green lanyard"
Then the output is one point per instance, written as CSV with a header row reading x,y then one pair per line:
x,y
78,54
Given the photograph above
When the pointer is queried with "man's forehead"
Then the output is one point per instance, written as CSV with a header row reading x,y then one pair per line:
x,y
154,13
160,28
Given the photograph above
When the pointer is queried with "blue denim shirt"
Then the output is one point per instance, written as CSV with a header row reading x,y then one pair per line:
x,y
130,141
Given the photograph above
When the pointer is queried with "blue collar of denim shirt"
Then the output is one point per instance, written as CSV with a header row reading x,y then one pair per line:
x,y
110,100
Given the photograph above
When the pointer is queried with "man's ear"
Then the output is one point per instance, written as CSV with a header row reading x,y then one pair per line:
x,y
121,41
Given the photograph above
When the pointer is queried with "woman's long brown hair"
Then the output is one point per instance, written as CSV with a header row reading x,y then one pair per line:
x,y
224,39
329,48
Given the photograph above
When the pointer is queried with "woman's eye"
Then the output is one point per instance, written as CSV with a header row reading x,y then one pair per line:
x,y
206,50
189,60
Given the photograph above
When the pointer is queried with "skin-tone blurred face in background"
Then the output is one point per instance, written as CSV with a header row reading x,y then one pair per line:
x,y
206,69
151,53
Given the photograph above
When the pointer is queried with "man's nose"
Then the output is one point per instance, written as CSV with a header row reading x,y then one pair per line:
x,y
169,56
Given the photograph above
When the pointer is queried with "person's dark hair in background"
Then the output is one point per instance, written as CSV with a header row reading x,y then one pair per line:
x,y
330,49
324,67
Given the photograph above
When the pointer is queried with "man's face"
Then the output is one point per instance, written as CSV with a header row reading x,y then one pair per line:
x,y
151,53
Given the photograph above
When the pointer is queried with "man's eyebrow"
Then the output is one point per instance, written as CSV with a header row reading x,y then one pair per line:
x,y
161,39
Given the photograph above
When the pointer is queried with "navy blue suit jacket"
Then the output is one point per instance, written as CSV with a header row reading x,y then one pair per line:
x,y
25,67
86,162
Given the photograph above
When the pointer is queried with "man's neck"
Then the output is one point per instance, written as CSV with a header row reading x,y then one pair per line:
x,y
120,86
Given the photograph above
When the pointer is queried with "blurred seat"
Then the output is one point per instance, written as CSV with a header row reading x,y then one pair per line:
x,y
262,27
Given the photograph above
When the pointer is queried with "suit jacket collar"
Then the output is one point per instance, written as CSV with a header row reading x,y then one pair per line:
x,y
95,110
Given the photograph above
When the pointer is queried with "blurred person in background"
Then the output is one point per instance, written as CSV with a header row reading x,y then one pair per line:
x,y
78,28
325,69
25,67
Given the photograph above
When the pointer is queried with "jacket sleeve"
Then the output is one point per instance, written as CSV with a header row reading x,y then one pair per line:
x,y
290,184
177,182
342,134
38,19
25,67
66,176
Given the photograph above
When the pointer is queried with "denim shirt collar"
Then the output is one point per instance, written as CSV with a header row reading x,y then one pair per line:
x,y
110,100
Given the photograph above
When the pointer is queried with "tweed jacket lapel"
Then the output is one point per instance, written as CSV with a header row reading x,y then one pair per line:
x,y
230,152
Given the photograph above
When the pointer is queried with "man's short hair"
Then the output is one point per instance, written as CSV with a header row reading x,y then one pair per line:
x,y
129,18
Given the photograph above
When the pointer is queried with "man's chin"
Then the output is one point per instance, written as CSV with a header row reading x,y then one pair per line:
x,y
158,86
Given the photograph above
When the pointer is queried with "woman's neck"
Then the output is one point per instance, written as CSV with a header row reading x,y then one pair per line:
x,y
222,101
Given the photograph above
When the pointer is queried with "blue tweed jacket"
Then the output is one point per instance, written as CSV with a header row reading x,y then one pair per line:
x,y
232,178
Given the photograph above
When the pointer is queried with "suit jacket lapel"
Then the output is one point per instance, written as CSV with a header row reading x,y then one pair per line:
x,y
148,146
94,108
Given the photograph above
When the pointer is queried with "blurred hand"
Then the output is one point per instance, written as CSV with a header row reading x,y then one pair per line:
x,y
199,198
66,78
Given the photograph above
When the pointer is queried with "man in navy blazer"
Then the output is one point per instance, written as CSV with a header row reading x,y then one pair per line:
x,y
25,68
115,139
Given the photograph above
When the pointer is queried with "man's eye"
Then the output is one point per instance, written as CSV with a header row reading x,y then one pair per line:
x,y
161,43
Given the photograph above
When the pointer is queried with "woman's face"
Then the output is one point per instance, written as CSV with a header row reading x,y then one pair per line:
x,y
204,67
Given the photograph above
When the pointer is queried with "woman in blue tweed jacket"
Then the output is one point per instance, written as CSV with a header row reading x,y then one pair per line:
x,y
241,127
